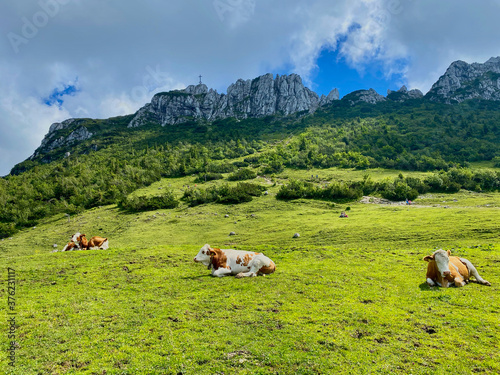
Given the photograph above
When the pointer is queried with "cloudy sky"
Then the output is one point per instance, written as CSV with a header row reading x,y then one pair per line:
x,y
101,58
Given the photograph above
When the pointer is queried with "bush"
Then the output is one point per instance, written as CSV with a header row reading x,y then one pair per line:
x,y
296,189
136,204
7,230
341,191
241,164
335,191
221,167
242,192
399,191
242,174
204,177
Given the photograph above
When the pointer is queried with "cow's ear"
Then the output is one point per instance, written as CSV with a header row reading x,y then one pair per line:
x,y
449,252
211,252
428,258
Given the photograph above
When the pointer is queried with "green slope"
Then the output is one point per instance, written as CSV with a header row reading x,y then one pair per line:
x,y
348,296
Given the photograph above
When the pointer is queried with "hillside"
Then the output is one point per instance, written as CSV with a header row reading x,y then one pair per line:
x,y
249,170
349,295
104,169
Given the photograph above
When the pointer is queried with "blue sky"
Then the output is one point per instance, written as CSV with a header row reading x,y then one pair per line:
x,y
123,52
57,96
334,72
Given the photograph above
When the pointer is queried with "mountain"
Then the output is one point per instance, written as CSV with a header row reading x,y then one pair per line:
x,y
363,96
403,94
463,81
262,96
259,98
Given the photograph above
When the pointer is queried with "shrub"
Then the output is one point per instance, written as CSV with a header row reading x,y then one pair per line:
x,y
204,177
296,189
241,164
242,174
341,191
399,191
136,204
221,167
7,230
242,192
335,191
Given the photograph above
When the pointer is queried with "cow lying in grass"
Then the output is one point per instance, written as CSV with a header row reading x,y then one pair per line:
x,y
74,243
94,243
79,242
444,269
234,262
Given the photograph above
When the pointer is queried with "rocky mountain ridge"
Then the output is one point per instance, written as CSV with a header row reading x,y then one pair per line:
x,y
262,96
463,81
281,95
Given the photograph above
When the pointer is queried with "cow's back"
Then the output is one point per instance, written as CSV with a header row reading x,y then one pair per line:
x,y
242,261
460,267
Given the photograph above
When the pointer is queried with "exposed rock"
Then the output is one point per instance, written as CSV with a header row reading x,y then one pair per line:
x,y
403,94
54,139
332,96
262,96
296,235
232,233
366,96
463,81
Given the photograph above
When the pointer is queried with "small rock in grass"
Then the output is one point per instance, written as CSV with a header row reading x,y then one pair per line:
x,y
232,234
296,235
226,215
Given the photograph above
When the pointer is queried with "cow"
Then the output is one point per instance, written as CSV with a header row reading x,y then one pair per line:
x,y
240,263
94,243
70,246
74,243
74,238
97,242
444,269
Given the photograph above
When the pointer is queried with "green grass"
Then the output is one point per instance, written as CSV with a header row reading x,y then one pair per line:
x,y
348,296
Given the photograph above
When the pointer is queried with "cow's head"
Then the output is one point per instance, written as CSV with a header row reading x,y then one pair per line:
x,y
442,259
204,255
74,238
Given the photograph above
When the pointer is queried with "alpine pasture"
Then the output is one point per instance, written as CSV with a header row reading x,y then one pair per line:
x,y
348,296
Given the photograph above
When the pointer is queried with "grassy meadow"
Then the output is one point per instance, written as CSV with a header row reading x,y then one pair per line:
x,y
348,296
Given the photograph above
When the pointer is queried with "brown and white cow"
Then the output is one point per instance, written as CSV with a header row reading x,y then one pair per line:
x,y
70,246
94,243
224,262
444,269
97,242
74,243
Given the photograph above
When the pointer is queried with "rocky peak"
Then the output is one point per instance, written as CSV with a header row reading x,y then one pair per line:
x,y
331,97
363,96
403,94
262,96
463,81
196,89
63,134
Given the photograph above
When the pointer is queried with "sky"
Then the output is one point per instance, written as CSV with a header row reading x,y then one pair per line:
x,y
63,59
